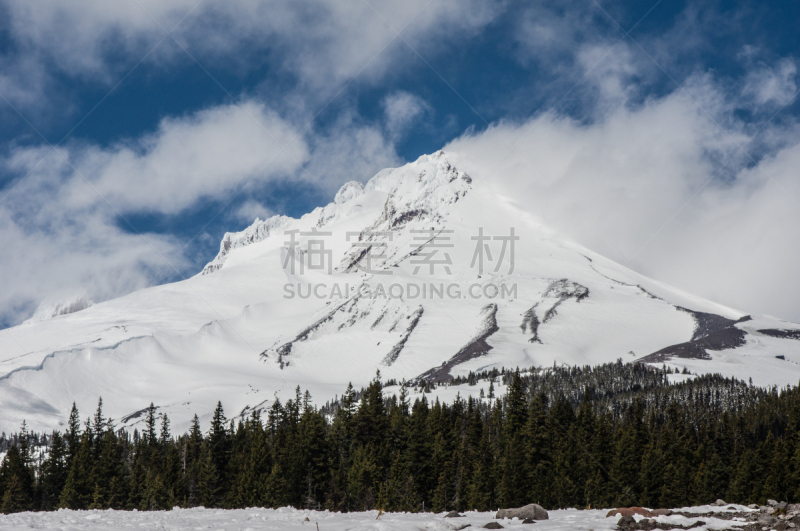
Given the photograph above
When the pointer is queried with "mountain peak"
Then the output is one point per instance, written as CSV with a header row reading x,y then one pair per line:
x,y
349,190
402,291
258,231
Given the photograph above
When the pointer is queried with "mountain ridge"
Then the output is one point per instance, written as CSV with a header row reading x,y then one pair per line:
x,y
249,327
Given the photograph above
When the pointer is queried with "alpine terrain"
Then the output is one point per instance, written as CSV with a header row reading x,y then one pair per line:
x,y
423,273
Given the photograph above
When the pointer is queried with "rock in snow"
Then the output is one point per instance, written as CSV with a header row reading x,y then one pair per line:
x,y
767,519
533,511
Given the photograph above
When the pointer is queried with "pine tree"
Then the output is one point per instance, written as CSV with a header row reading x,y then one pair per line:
x,y
191,462
16,477
78,491
776,484
399,492
218,441
173,479
149,434
362,479
136,485
73,434
208,482
275,492
420,450
538,449
97,498
514,484
16,497
54,473
165,437
313,450
99,423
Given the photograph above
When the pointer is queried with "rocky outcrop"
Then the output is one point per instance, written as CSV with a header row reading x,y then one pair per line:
x,y
418,191
727,338
782,334
566,289
559,290
49,309
534,511
476,347
393,354
258,231
707,323
530,321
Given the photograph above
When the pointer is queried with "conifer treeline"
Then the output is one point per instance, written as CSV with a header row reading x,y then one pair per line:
x,y
636,447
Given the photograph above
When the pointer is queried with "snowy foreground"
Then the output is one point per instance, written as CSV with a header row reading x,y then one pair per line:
x,y
286,518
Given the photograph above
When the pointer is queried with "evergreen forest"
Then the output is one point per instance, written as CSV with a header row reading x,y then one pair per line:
x,y
585,437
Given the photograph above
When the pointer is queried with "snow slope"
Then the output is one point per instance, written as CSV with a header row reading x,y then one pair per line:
x,y
235,333
287,518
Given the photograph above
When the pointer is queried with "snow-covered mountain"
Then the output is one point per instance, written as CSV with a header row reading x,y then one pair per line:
x,y
387,277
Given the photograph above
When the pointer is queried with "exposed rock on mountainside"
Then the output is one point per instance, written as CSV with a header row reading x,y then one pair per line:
x,y
785,334
727,338
393,354
475,348
557,292
530,321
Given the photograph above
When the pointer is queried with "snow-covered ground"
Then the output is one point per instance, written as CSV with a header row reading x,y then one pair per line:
x,y
287,518
233,333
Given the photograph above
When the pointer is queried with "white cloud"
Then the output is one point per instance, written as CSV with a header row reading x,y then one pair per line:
x,y
353,151
251,209
547,32
322,43
776,84
642,187
402,109
64,225
189,158
49,248
611,69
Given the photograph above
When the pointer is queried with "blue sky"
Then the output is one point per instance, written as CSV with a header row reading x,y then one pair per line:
x,y
108,181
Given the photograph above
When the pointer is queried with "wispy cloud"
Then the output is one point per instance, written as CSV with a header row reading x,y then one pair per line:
x,y
319,44
402,109
772,84
251,210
